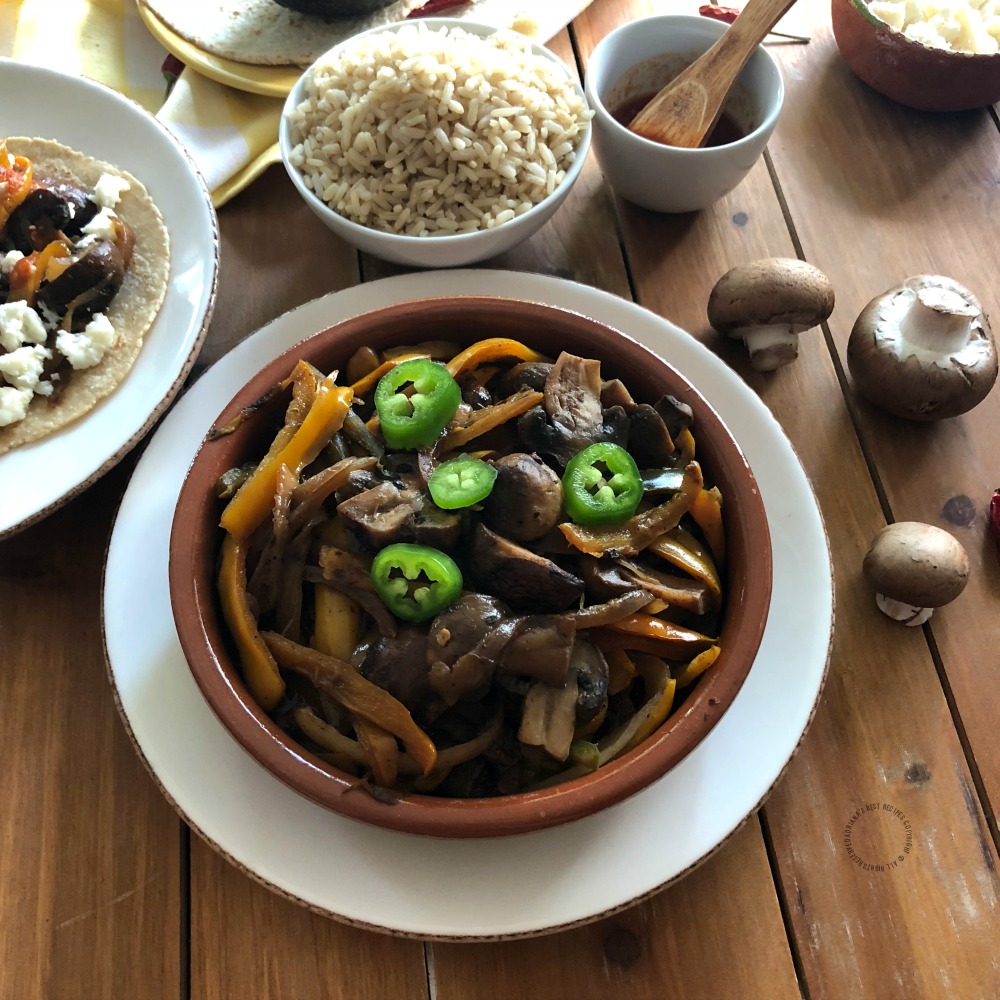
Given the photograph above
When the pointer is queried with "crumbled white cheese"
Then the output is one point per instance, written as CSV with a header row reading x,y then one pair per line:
x,y
957,25
101,225
23,368
84,350
13,404
109,189
20,324
9,260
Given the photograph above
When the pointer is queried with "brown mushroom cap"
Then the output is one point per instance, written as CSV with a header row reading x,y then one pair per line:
x,y
770,291
917,564
923,350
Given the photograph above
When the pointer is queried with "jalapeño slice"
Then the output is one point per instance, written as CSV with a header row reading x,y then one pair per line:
x,y
461,482
415,582
601,485
415,401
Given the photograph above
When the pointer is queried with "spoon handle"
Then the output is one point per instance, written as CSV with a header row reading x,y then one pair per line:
x,y
684,112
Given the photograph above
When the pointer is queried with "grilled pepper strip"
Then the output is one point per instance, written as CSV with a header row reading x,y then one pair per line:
x,y
601,485
491,349
414,402
461,482
415,582
253,501
360,696
259,668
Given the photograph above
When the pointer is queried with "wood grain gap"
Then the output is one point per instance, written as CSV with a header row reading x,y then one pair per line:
x,y
786,917
184,938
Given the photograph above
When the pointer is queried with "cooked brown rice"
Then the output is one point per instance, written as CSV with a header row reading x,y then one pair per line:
x,y
431,132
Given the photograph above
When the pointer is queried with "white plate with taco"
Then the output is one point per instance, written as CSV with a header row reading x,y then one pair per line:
x,y
109,252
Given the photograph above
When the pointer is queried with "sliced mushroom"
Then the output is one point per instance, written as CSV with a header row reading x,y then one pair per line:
x,y
768,303
386,514
591,670
915,568
37,221
571,416
522,579
526,500
87,285
649,440
548,718
923,350
541,648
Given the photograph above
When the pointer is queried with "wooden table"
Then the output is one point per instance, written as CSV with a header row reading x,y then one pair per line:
x,y
104,893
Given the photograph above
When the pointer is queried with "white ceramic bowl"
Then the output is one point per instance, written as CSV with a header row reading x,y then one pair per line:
x,y
431,251
643,56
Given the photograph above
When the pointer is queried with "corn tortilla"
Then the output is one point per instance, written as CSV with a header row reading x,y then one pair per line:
x,y
131,312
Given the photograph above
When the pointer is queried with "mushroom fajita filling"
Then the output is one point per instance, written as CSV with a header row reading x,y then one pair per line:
x,y
64,253
470,572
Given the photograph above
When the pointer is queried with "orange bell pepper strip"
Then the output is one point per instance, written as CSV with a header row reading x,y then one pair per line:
x,y
260,672
26,275
254,498
640,530
491,349
663,638
368,382
488,418
707,513
358,695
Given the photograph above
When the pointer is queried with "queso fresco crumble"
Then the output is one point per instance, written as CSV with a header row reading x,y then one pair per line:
x,y
30,333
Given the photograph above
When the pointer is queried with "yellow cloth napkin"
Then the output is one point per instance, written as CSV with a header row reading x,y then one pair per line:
x,y
226,131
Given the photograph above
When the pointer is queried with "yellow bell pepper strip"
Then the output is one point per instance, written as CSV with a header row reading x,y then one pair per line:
x,y
621,669
358,695
690,672
652,715
381,751
640,530
685,446
15,182
338,623
683,550
253,501
329,737
260,672
491,349
488,418
649,634
707,513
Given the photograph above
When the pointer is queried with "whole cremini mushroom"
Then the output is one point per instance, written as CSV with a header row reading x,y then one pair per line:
x,y
768,303
923,350
915,568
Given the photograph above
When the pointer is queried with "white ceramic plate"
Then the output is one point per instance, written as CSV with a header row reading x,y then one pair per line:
x,y
92,119
471,889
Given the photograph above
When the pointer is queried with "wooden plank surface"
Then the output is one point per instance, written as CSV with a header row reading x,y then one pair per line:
x,y
99,894
90,874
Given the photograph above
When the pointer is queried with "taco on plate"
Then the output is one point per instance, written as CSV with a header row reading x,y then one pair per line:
x,y
84,265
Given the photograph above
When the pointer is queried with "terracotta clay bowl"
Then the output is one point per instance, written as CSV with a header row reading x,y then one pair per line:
x,y
909,72
196,537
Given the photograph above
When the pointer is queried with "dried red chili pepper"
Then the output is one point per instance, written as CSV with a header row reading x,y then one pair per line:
x,y
431,7
729,14
995,515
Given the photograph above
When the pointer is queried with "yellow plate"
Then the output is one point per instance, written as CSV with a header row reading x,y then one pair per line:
x,y
271,81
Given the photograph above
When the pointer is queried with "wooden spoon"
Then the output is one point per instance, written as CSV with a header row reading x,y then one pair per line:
x,y
684,112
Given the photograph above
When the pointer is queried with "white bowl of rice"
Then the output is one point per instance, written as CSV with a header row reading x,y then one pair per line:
x,y
435,142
